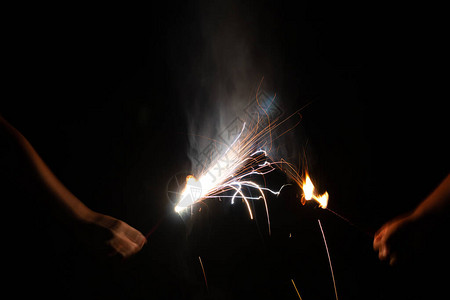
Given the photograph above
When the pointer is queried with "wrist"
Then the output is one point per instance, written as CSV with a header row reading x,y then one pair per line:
x,y
421,213
82,214
423,217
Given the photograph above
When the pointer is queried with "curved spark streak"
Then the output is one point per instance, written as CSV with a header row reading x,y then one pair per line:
x,y
237,182
234,196
279,191
235,140
245,200
249,156
329,259
259,151
203,270
264,198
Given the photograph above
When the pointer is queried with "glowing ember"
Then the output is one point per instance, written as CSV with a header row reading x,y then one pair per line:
x,y
243,159
308,193
191,193
308,188
323,200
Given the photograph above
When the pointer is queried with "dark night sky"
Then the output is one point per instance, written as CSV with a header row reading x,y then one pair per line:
x,y
100,94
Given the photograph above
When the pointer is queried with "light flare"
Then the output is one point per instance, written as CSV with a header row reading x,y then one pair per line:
x,y
308,193
308,188
233,170
248,155
234,177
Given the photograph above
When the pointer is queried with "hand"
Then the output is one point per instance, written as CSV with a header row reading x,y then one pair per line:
x,y
395,239
107,235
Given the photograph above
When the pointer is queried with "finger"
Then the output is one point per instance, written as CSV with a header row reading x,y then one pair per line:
x,y
130,249
122,246
125,246
380,231
379,239
383,252
376,243
133,248
135,239
135,236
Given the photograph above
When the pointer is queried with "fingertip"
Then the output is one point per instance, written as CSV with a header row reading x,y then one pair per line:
x,y
383,252
136,237
143,240
378,232
375,244
140,243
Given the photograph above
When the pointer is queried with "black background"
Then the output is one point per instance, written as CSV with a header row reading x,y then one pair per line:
x,y
98,92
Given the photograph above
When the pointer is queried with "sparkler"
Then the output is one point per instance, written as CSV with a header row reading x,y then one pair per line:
x,y
308,193
246,157
244,161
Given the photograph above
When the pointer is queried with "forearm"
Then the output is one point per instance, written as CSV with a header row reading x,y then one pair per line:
x,y
437,203
62,201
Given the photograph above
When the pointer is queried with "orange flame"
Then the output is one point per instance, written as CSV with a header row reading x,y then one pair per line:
x,y
308,188
308,193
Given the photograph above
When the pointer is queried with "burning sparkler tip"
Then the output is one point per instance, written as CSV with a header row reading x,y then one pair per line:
x,y
308,193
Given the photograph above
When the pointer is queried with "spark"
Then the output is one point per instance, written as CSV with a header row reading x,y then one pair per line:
x,y
235,177
329,259
229,176
293,283
304,183
247,156
203,270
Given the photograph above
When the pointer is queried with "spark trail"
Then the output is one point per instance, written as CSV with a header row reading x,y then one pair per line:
x,y
246,157
203,270
295,287
329,259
